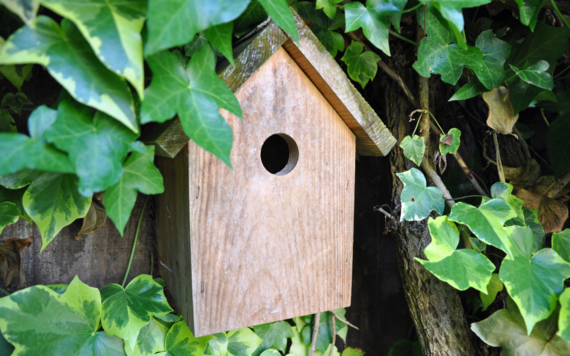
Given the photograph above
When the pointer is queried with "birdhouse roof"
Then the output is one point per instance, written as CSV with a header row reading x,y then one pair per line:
x,y
372,136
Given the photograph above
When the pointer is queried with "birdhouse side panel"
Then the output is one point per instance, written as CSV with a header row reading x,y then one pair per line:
x,y
270,244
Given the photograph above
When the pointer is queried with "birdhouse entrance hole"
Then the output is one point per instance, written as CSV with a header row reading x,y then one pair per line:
x,y
279,154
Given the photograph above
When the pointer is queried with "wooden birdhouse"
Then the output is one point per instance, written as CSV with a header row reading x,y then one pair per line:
x,y
272,238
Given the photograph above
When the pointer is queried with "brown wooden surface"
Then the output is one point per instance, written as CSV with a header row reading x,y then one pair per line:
x,y
266,247
98,260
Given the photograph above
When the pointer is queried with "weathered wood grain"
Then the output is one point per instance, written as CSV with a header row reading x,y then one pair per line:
x,y
264,247
372,137
168,138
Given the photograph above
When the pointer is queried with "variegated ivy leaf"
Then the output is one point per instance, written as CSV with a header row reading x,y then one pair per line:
x,y
70,60
531,220
181,342
375,27
564,319
536,74
486,222
150,340
16,74
495,53
112,28
9,214
417,199
52,201
534,282
454,135
242,342
461,268
279,12
504,191
495,286
218,345
96,145
274,336
139,173
271,352
18,151
65,324
126,311
21,179
561,244
15,196
25,9
414,148
196,94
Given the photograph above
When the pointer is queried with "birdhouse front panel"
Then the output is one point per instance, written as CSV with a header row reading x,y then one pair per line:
x,y
270,239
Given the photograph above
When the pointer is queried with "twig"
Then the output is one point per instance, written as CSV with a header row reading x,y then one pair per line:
x,y
315,333
334,335
377,208
559,13
344,321
499,163
135,243
397,35
522,142
560,184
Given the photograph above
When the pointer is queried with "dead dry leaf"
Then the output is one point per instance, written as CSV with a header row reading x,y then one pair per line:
x,y
11,262
501,113
94,219
447,140
552,214
523,177
440,161
544,185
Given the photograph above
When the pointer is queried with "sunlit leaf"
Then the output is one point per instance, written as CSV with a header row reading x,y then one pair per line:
x,y
274,336
414,148
375,27
362,67
181,342
417,199
561,244
536,75
450,148
328,6
531,220
564,319
25,9
150,340
495,286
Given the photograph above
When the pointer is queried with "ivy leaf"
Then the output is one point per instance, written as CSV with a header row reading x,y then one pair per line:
x,y
375,27
16,74
52,201
504,191
531,220
181,342
195,45
528,11
96,145
196,94
271,352
9,214
279,12
274,336
21,179
414,148
6,349
72,63
495,286
391,9
536,75
452,147
18,151
242,342
323,27
461,268
506,329
112,28
469,90
218,345
417,200
561,244
139,173
61,324
25,9
15,101
126,311
328,7
150,339
361,66
15,196
534,282
251,17
564,320
495,53
167,17
486,222
220,36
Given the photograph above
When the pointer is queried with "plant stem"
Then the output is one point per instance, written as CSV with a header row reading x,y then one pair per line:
x,y
413,8
135,243
499,163
395,34
434,119
417,124
4,291
544,117
559,13
559,74
468,196
315,333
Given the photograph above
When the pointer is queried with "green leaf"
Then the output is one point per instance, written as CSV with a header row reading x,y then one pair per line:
x,y
417,200
150,339
323,27
7,122
6,349
271,352
534,282
15,196
9,214
328,7
455,142
16,101
253,15
375,27
561,244
495,286
506,329
414,148
242,342
166,18
73,64
361,66
274,336
522,94
391,9
536,75
486,222
220,36
16,74
196,94
495,53
461,268
96,145
139,173
58,288
181,342
25,9
126,311
21,179
218,345
195,45
564,320
279,12
561,105
529,10
53,202
38,321
558,144
18,151
504,191
531,220
469,90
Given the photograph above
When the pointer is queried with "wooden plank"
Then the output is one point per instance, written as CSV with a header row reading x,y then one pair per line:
x,y
168,138
372,137
268,247
173,227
